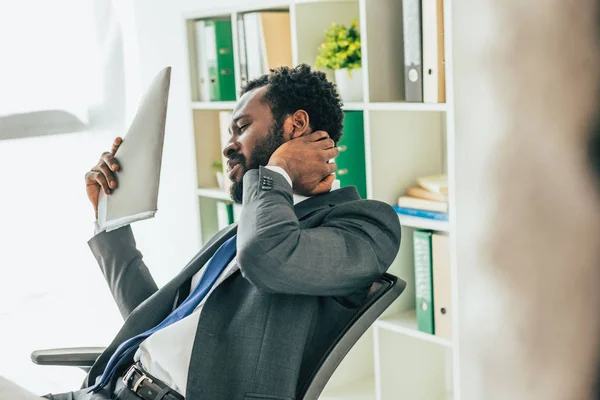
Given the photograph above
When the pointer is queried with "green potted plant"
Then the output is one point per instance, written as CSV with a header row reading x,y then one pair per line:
x,y
217,166
341,52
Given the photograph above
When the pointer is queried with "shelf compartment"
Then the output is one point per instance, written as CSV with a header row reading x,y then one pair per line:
x,y
312,19
363,389
409,368
424,223
405,323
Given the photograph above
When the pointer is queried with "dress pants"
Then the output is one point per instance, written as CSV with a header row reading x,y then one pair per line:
x,y
120,392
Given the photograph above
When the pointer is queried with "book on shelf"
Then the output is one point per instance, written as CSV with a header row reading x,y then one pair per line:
x,y
442,294
413,63
420,193
413,212
434,75
434,183
140,158
422,204
265,42
214,59
424,300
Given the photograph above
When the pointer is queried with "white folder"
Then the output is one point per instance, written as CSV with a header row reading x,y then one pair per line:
x,y
140,157
434,77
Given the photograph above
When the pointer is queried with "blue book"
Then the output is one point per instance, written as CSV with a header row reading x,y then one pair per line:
x,y
413,212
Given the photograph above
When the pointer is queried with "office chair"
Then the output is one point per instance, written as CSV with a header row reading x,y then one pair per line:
x,y
381,294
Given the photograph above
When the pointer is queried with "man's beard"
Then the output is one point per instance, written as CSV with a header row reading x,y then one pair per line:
x,y
260,156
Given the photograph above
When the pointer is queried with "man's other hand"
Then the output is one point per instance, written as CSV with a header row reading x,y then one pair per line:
x,y
305,159
102,176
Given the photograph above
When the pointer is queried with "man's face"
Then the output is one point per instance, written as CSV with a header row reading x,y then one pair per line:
x,y
255,135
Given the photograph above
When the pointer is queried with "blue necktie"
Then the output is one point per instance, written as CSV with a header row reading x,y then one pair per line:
x,y
213,269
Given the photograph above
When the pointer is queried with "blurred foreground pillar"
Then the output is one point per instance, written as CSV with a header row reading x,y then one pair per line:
x,y
526,91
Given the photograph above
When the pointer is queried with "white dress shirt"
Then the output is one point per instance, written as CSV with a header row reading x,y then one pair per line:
x,y
166,354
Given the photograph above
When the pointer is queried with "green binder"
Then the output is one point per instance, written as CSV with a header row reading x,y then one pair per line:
x,y
351,163
219,60
423,281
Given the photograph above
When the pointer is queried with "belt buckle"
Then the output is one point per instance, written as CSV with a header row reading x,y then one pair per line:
x,y
127,377
137,384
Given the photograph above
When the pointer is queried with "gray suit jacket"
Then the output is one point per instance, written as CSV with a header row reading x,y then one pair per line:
x,y
302,271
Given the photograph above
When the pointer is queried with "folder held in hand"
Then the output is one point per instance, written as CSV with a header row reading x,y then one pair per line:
x,y
139,157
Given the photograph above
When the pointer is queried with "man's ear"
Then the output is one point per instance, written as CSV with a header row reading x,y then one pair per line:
x,y
300,124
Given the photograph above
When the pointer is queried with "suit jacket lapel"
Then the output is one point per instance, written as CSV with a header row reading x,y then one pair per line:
x,y
155,308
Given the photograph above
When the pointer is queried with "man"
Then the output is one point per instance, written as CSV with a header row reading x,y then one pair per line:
x,y
250,315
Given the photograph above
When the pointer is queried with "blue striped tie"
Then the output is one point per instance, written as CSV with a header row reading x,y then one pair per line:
x,y
213,269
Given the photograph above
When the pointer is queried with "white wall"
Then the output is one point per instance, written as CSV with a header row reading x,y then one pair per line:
x,y
170,240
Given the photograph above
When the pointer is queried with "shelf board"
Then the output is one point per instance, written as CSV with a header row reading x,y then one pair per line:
x,y
354,106
323,1
406,324
424,223
213,105
404,106
214,193
363,389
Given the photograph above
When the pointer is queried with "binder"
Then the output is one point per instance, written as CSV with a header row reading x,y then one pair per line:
x,y
215,60
434,75
265,42
424,301
352,170
442,294
413,67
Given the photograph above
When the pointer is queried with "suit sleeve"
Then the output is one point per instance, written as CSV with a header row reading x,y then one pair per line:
x,y
355,244
128,278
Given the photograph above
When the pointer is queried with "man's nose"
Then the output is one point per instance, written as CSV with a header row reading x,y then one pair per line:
x,y
231,148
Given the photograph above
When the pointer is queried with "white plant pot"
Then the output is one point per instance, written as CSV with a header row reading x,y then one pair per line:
x,y
349,88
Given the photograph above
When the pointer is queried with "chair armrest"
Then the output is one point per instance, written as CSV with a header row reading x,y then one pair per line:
x,y
74,357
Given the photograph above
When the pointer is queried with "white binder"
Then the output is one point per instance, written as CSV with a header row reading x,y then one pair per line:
x,y
434,82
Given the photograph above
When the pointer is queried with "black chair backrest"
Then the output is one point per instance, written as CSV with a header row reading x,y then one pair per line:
x,y
381,295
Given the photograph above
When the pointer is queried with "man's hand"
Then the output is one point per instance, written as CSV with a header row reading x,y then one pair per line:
x,y
305,161
102,176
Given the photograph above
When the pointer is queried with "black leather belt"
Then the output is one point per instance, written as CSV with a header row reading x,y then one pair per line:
x,y
148,387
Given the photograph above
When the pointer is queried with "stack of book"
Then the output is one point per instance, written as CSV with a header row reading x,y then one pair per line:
x,y
429,199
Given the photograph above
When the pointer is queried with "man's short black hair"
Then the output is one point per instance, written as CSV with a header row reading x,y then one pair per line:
x,y
301,88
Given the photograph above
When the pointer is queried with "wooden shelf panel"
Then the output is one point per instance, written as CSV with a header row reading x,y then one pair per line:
x,y
214,193
424,223
363,389
405,323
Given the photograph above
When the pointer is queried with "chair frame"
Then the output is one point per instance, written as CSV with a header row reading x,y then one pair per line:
x,y
390,290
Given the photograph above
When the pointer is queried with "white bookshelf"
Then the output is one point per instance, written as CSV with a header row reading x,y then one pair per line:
x,y
403,141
